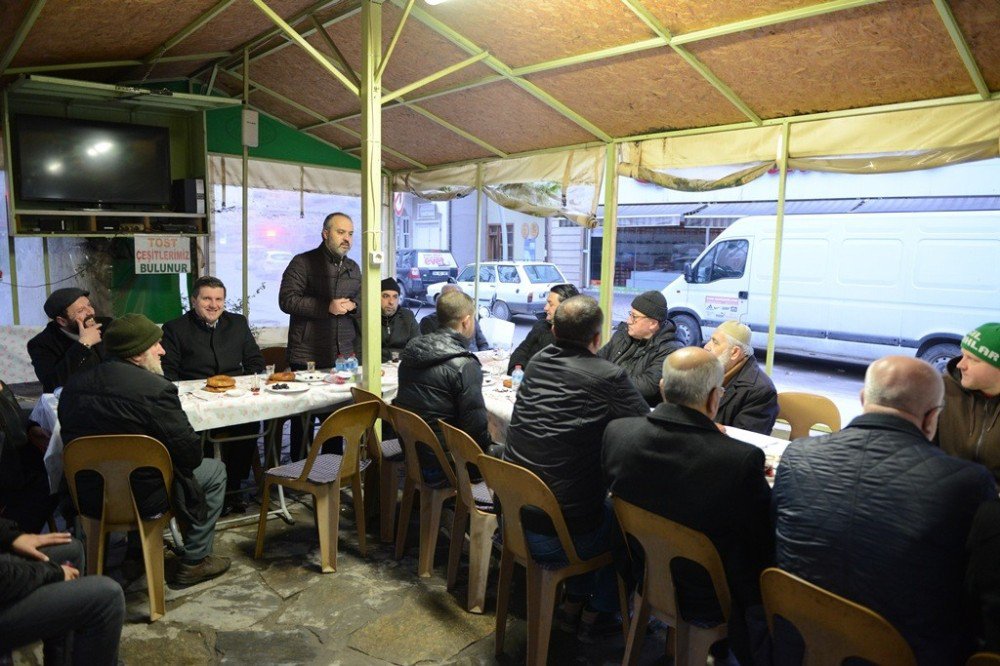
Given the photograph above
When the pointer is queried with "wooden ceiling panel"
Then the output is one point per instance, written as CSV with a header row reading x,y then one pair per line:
x,y
525,32
236,25
310,84
881,54
979,21
421,139
279,109
12,13
336,137
683,16
640,93
69,31
508,118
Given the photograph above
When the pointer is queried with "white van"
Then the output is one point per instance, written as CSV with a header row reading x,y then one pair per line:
x,y
854,287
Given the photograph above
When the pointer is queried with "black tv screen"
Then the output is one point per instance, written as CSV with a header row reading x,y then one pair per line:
x,y
73,161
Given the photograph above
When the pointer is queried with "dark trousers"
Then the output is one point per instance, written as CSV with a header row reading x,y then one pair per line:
x,y
237,456
80,621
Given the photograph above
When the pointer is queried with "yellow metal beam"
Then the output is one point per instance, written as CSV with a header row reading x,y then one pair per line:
x,y
371,191
105,64
609,238
457,130
22,32
600,54
306,46
395,38
325,36
245,190
389,96
188,30
779,231
964,52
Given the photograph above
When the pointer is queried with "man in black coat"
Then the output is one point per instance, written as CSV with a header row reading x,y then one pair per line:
x,y
568,397
25,496
642,342
750,401
70,342
399,326
429,324
675,463
439,378
207,341
128,395
540,336
879,515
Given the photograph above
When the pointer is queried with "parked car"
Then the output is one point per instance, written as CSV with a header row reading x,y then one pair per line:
x,y
417,269
508,287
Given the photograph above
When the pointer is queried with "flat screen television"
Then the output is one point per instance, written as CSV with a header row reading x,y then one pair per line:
x,y
69,161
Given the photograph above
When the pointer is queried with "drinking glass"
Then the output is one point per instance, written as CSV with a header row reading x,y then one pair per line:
x,y
255,383
310,366
394,356
269,370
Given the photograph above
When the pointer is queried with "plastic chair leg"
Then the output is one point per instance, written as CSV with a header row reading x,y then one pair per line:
x,y
405,509
480,549
388,497
327,524
265,504
636,630
151,536
431,504
503,598
359,514
542,589
95,539
458,526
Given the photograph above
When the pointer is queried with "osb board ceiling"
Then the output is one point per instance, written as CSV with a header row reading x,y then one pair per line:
x,y
507,118
641,93
864,59
856,53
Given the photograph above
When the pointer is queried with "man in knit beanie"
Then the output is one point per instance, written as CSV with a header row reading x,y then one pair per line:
x,y
642,342
969,426
399,325
128,395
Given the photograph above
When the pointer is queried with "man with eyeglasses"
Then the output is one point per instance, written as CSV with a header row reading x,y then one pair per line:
x,y
878,514
675,463
642,342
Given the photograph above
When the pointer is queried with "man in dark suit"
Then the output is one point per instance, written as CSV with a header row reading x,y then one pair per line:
x,y
71,342
674,462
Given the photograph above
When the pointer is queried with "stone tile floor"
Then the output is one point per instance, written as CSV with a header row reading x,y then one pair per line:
x,y
374,610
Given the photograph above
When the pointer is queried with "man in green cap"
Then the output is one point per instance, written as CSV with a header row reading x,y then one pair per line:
x,y
128,395
969,426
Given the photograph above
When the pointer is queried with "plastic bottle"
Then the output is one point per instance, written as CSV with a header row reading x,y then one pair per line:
x,y
341,364
516,377
352,363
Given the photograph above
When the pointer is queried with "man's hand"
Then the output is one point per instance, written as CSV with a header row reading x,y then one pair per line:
x,y
70,572
28,544
90,330
721,428
340,306
39,437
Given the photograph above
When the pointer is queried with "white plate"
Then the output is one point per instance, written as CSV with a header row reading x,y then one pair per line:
x,y
236,393
293,387
309,376
489,381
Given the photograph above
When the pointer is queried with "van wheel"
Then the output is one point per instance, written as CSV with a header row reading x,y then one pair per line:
x,y
501,310
688,330
938,355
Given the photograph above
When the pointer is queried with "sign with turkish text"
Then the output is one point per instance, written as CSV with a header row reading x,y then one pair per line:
x,y
159,255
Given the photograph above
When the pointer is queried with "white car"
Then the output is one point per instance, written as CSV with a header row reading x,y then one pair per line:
x,y
507,287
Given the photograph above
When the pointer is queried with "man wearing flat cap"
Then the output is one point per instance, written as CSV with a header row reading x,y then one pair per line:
x,y
128,395
642,342
70,342
399,326
750,401
969,425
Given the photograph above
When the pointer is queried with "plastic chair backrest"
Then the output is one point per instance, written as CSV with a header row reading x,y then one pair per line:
x,y
832,627
276,356
114,458
497,331
662,541
349,422
360,395
413,430
517,489
804,410
984,659
465,452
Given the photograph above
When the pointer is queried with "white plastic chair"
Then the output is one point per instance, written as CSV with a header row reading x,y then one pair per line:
x,y
499,333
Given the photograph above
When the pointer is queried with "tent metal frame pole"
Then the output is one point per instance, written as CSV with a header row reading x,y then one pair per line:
x,y
22,33
968,59
188,30
11,218
371,190
779,231
479,233
246,189
338,54
384,60
609,238
104,64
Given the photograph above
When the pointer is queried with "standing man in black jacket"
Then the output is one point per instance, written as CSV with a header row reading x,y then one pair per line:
x,y
568,397
128,395
540,336
642,342
399,326
675,463
70,342
207,341
750,401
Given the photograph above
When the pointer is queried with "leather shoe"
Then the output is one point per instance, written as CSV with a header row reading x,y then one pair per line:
x,y
206,569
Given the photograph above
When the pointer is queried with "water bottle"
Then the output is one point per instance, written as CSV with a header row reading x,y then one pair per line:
x,y
341,364
516,377
352,364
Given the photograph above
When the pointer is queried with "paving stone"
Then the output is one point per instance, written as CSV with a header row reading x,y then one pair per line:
x,y
332,606
294,646
427,626
229,606
165,645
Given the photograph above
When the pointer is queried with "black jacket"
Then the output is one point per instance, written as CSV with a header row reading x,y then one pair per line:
x,y
20,576
750,401
310,282
675,463
539,337
642,359
565,402
56,356
430,323
439,378
877,514
397,330
118,397
194,350
982,582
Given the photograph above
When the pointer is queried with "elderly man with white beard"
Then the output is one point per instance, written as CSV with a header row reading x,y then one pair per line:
x,y
128,395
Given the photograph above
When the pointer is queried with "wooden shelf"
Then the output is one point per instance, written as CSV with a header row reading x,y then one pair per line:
x,y
37,222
